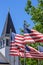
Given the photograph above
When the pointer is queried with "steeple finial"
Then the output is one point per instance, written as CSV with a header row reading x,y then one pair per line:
x,y
9,10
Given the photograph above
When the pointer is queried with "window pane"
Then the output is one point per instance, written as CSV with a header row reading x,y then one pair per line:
x,y
0,44
7,42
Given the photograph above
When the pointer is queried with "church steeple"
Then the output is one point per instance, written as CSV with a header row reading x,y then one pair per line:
x,y
8,25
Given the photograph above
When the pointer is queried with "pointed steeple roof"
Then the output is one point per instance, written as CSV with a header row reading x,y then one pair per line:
x,y
8,25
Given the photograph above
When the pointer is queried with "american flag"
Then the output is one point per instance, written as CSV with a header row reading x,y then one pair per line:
x,y
15,44
32,36
31,52
17,39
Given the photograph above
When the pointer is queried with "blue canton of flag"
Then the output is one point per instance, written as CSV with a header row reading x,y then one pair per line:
x,y
27,48
12,37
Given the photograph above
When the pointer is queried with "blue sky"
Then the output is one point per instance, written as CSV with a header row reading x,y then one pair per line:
x,y
17,11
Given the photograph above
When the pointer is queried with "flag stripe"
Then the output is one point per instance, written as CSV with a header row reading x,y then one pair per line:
x,y
16,43
14,54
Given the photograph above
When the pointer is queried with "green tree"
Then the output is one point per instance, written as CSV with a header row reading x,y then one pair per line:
x,y
36,14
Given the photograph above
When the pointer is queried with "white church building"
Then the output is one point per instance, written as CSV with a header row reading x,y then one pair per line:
x,y
5,58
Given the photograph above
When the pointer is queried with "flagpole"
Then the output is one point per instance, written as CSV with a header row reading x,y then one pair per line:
x,y
25,45
24,56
